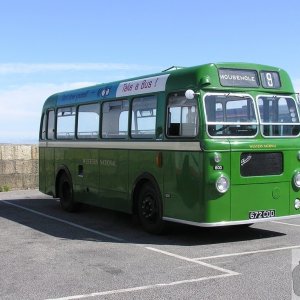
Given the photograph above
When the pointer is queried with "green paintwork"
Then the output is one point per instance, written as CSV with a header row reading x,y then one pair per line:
x,y
186,179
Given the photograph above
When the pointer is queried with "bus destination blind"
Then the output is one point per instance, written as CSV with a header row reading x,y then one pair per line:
x,y
238,78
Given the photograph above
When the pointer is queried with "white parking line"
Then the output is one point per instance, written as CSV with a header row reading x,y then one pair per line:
x,y
140,288
65,222
284,223
228,273
247,253
193,261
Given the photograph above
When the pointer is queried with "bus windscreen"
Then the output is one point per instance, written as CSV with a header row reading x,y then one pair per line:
x,y
278,116
230,115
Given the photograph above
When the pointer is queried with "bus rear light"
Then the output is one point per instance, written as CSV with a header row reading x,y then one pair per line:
x,y
297,203
222,184
297,180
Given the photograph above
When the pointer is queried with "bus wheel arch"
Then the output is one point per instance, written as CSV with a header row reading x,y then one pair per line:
x,y
147,204
64,189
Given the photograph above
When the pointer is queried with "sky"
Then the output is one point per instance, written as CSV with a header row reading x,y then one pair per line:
x,y
50,46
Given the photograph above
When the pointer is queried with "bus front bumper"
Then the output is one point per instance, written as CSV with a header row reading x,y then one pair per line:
x,y
231,223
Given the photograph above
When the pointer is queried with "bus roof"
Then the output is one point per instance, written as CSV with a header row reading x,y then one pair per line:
x,y
214,76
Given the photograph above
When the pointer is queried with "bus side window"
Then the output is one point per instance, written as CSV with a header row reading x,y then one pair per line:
x,y
143,119
50,125
43,128
66,123
115,119
88,121
182,117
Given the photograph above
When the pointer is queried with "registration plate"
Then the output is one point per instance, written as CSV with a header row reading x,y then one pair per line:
x,y
262,214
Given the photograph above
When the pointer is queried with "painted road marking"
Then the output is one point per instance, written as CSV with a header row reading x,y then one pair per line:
x,y
228,273
247,253
140,288
119,239
289,224
193,261
112,237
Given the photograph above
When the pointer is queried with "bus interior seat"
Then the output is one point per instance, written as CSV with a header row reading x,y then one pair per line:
x,y
188,129
174,129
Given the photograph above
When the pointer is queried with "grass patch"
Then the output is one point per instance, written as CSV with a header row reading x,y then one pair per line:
x,y
4,188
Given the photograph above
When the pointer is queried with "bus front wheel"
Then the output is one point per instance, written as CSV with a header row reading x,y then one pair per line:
x,y
65,193
150,209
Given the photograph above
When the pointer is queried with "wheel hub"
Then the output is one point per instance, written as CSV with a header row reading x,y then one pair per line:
x,y
148,207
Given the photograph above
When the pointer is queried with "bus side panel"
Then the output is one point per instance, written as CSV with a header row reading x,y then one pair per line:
x,y
49,173
42,177
144,162
113,165
85,175
183,185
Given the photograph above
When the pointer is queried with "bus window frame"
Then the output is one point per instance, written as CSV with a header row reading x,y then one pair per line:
x,y
219,123
119,137
43,122
75,106
54,124
77,120
166,116
131,116
261,124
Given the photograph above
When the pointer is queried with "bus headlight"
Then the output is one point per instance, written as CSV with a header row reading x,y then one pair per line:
x,y
222,184
297,180
217,157
297,203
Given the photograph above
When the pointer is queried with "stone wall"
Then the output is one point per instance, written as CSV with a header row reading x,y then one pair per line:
x,y
18,166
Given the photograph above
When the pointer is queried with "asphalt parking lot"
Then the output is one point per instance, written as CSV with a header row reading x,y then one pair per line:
x,y
47,253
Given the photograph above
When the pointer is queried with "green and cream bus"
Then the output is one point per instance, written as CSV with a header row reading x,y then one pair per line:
x,y
211,145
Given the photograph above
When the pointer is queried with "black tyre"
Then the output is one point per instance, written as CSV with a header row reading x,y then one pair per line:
x,y
65,193
150,209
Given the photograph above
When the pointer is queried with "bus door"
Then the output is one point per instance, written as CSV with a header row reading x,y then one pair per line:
x,y
183,161
113,157
49,151
87,166
42,153
86,181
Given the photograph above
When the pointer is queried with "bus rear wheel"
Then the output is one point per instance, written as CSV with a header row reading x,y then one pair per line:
x,y
65,193
150,209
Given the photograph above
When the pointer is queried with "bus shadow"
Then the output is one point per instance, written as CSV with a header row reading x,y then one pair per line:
x,y
46,216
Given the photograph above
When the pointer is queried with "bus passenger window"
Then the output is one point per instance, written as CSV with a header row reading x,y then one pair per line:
x,y
115,119
66,123
143,119
182,117
50,125
43,128
88,121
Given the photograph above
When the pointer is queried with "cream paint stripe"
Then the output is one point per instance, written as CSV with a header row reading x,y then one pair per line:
x,y
173,146
248,252
142,288
65,222
193,261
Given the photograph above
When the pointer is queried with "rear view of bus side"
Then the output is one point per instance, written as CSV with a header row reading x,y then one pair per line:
x,y
210,145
